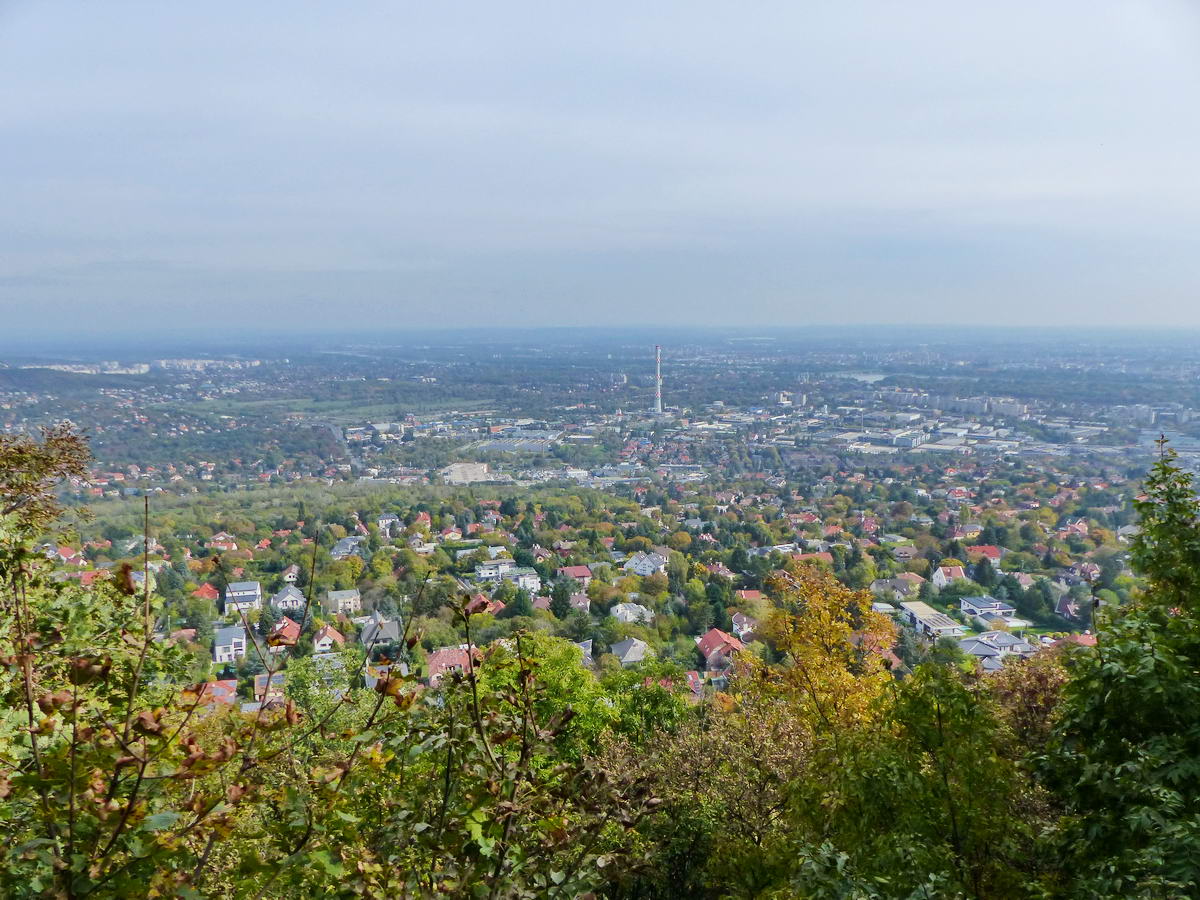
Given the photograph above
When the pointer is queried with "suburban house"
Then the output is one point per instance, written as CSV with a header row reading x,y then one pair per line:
x,y
581,602
289,599
482,604
632,614
968,530
1068,607
285,634
645,564
229,644
291,574
928,621
268,689
525,579
630,651
494,569
991,610
992,647
327,639
582,574
718,649
242,596
345,603
387,522
743,625
378,631
445,661
990,552
348,546
221,541
945,575
207,592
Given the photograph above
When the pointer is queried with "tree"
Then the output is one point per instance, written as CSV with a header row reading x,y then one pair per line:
x,y
680,541
1124,757
560,600
121,777
520,605
31,470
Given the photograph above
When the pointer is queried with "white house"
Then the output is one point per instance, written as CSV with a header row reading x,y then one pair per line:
x,y
494,569
229,644
928,621
743,624
525,579
346,603
990,611
632,614
992,647
645,564
327,639
944,575
290,599
977,606
242,596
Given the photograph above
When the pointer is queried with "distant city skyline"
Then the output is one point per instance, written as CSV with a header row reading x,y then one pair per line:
x,y
291,168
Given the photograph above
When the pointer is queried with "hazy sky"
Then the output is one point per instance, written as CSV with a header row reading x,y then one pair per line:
x,y
300,165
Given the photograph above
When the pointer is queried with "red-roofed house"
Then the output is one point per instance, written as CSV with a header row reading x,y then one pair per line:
x,y
481,603
718,648
327,639
944,575
990,552
285,634
719,568
441,662
206,592
69,556
582,574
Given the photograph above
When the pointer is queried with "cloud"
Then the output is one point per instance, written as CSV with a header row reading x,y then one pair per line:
x,y
522,163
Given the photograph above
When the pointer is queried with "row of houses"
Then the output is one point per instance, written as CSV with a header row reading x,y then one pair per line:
x,y
244,597
233,642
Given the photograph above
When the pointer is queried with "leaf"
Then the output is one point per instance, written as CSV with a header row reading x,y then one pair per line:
x,y
160,821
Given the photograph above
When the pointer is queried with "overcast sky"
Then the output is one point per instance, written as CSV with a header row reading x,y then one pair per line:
x,y
300,166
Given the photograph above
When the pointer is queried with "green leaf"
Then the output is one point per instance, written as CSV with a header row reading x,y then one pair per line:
x,y
160,821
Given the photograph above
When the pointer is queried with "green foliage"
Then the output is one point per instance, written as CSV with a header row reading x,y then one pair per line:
x,y
1125,755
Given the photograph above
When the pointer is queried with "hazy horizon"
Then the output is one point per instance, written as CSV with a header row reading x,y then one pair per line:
x,y
296,168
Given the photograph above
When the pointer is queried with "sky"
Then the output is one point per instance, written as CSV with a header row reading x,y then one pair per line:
x,y
306,167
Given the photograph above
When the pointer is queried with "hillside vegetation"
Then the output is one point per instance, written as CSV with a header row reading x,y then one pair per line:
x,y
818,768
